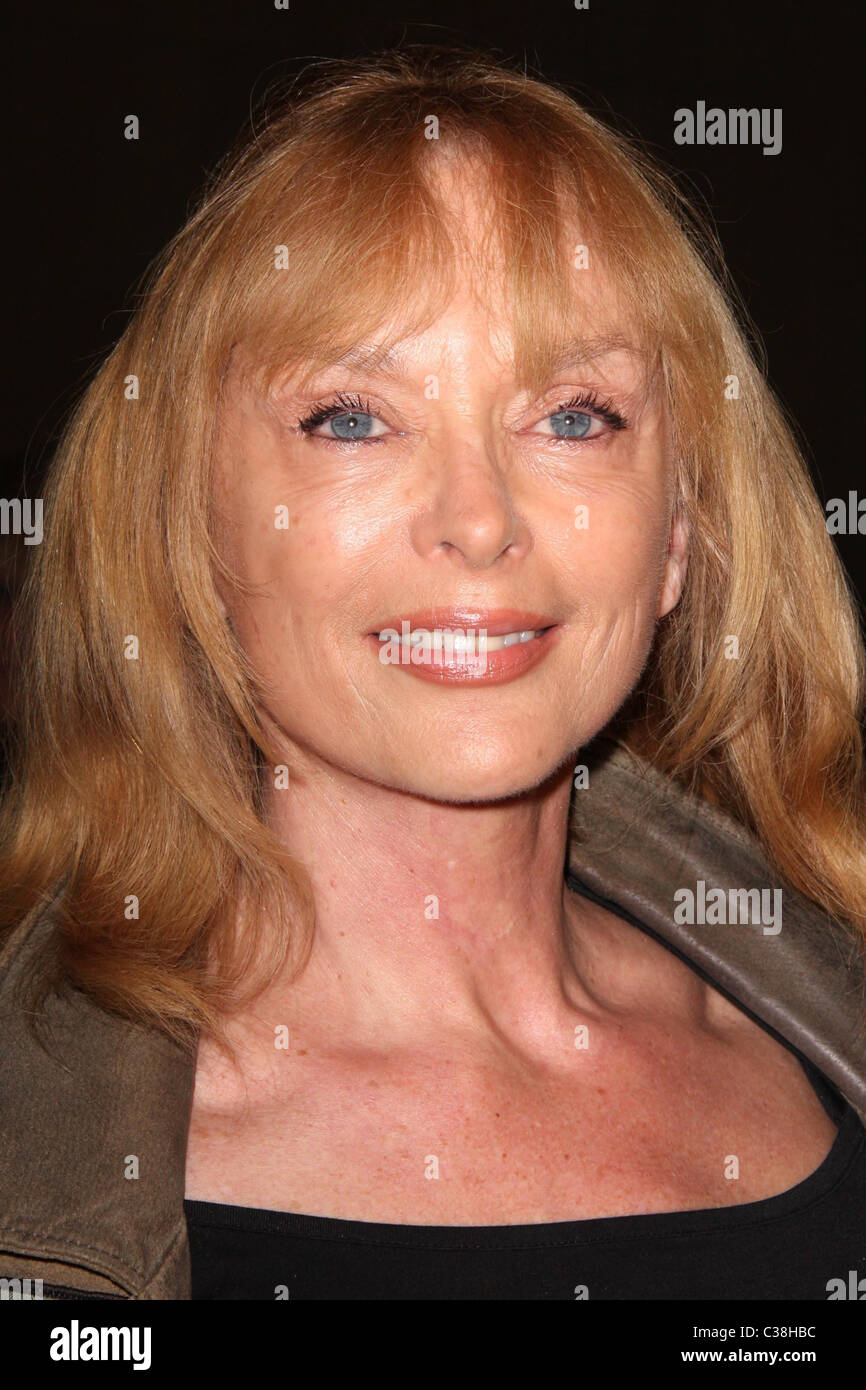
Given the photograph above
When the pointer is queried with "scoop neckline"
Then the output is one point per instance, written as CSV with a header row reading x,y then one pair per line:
x,y
815,1187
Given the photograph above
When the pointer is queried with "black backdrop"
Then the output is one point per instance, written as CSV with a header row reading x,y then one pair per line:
x,y
88,209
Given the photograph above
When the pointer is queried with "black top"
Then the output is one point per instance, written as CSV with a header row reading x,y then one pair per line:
x,y
786,1247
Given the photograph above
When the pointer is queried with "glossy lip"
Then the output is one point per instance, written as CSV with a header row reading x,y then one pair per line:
x,y
493,668
495,621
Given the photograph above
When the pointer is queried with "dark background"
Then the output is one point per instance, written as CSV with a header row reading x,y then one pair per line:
x,y
88,209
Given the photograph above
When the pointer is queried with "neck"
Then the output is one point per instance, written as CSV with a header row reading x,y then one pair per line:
x,y
431,917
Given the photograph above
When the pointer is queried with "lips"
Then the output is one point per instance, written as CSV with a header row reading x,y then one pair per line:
x,y
520,639
496,622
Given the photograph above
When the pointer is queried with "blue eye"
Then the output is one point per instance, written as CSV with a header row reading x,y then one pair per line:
x,y
349,419
570,424
354,425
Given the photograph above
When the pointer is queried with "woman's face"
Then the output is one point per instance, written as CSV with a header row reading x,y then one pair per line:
x,y
443,488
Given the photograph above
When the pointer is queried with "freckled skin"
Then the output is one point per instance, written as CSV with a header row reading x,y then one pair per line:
x,y
453,1035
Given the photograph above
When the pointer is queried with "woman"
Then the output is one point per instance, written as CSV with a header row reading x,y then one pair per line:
x,y
435,626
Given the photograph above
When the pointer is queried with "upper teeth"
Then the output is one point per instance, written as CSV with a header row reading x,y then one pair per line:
x,y
463,642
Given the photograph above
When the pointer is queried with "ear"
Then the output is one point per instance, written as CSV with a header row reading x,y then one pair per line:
x,y
676,563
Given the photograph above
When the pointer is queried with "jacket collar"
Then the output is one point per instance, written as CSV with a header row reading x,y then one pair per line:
x,y
639,838
93,1147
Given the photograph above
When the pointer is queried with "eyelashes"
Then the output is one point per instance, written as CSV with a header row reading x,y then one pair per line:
x,y
340,404
589,401
343,403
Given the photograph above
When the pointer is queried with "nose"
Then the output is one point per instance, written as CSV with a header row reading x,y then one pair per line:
x,y
470,515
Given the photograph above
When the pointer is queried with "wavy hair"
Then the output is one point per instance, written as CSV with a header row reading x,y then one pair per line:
x,y
133,808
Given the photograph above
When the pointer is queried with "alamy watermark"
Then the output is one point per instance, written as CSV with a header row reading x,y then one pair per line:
x,y
846,518
718,907
17,1289
441,646
77,1343
22,516
737,126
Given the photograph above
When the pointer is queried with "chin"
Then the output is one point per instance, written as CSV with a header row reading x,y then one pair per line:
x,y
479,784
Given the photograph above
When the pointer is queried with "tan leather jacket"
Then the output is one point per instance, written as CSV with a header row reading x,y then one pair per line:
x,y
109,1089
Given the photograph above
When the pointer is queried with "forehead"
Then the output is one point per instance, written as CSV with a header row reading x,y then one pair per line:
x,y
464,276
472,330
457,341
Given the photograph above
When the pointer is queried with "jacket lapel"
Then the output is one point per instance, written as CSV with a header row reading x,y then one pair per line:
x,y
638,838
92,1144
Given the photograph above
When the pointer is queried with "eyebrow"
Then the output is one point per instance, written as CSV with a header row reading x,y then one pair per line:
x,y
573,352
389,361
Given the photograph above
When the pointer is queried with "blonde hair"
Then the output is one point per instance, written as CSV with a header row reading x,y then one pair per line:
x,y
140,779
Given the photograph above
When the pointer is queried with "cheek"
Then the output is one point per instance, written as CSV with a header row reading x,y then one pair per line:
x,y
615,569
628,558
615,553
284,541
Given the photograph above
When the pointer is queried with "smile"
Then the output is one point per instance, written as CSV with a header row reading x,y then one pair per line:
x,y
465,650
468,643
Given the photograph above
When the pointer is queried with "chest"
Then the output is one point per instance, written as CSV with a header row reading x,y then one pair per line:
x,y
654,1124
